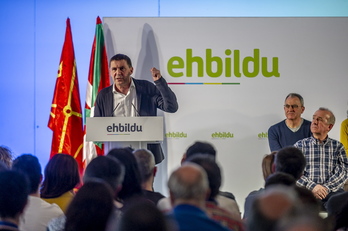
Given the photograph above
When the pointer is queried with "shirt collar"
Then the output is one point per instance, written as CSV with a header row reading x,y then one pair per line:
x,y
316,141
132,86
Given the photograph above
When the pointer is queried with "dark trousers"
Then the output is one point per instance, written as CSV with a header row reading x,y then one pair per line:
x,y
324,201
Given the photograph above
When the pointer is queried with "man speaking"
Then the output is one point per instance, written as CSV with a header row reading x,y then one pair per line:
x,y
129,97
133,97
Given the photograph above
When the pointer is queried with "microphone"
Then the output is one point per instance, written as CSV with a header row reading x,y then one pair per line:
x,y
112,114
135,109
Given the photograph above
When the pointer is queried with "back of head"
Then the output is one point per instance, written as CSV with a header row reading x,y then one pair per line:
x,y
29,165
200,148
61,175
290,160
146,163
267,164
131,185
188,182
302,219
13,194
212,169
268,208
280,178
91,207
108,169
143,217
6,156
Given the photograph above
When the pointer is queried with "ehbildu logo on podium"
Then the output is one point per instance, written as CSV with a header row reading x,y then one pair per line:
x,y
105,129
115,128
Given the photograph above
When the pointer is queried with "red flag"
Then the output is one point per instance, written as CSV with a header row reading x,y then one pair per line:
x,y
66,113
98,78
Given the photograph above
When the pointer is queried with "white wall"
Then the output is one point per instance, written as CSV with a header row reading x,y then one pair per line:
x,y
246,110
32,38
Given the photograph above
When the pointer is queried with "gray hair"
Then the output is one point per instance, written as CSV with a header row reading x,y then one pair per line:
x,y
295,95
146,163
332,118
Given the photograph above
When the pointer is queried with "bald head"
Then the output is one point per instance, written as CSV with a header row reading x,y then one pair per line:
x,y
188,182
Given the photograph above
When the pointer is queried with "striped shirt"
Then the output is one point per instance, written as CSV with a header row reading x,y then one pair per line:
x,y
327,163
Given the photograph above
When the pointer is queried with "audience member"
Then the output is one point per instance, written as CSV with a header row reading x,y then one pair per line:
x,y
188,188
6,156
302,220
109,170
212,169
13,199
144,216
293,128
112,171
147,169
268,165
344,141
280,178
344,133
199,147
270,206
327,164
38,212
131,190
91,207
307,199
61,176
225,200
267,169
290,160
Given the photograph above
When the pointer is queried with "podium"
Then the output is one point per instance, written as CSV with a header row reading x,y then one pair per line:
x,y
133,132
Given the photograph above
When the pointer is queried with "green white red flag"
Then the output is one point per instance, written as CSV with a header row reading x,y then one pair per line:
x,y
98,78
66,113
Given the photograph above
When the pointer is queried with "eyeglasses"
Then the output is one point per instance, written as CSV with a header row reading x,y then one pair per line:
x,y
291,106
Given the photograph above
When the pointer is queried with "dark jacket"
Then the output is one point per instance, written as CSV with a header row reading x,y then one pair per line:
x,y
150,97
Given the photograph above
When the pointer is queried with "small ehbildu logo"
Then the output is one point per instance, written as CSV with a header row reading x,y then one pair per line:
x,y
222,135
176,135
